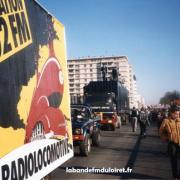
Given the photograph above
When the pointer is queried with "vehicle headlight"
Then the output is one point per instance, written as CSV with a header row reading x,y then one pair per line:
x,y
78,131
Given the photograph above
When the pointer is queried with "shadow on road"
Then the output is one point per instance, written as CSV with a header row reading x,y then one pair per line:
x,y
134,154
120,134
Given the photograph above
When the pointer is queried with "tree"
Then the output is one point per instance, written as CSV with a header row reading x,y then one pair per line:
x,y
169,97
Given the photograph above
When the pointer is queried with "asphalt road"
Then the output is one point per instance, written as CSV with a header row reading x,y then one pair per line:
x,y
121,149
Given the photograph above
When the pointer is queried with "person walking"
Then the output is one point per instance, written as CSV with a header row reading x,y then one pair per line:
x,y
134,117
170,132
143,121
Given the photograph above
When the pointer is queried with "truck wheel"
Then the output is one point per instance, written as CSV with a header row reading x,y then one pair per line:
x,y
85,146
38,132
96,138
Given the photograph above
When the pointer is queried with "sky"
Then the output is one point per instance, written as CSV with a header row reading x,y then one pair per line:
x,y
146,31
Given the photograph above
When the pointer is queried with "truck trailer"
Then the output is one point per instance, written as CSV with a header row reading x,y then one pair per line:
x,y
35,123
109,99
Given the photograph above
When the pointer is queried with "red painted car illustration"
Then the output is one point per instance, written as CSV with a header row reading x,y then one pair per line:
x,y
45,119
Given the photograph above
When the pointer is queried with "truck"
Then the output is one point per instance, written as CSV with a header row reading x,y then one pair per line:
x,y
35,118
109,100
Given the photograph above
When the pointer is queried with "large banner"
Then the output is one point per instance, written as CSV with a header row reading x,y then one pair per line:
x,y
35,125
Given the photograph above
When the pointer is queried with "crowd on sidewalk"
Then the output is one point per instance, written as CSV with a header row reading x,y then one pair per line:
x,y
168,124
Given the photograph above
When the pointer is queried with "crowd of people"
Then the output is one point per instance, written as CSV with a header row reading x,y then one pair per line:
x,y
143,117
168,124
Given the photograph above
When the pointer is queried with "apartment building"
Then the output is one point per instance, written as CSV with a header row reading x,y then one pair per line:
x,y
84,70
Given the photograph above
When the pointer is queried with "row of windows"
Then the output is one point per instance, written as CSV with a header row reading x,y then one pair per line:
x,y
125,69
83,75
77,70
82,81
81,65
75,65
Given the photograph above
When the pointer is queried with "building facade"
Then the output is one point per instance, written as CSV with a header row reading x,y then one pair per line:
x,y
83,70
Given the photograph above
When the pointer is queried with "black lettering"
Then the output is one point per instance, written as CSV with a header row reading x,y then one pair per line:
x,y
44,153
21,167
14,5
2,7
68,146
58,150
53,153
26,171
13,171
13,29
48,155
7,46
11,8
22,27
40,159
30,164
20,6
65,147
62,148
7,8
5,172
35,164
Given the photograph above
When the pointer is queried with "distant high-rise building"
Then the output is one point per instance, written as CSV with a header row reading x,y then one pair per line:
x,y
83,70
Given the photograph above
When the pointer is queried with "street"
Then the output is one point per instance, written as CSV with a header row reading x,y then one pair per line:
x,y
120,149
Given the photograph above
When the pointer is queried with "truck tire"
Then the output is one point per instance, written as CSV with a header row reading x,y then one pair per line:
x,y
96,137
85,146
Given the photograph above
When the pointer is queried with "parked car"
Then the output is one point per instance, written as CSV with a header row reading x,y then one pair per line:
x,y
85,128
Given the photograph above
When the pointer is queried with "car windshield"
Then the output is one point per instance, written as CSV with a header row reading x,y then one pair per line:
x,y
107,115
79,113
